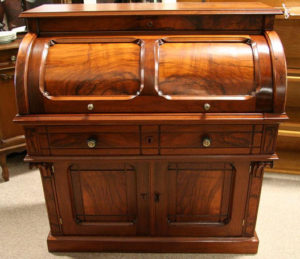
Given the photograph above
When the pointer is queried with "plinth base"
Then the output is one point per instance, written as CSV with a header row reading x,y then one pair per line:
x,y
236,245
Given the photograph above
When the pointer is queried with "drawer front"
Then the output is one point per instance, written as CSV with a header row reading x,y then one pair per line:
x,y
146,140
217,139
104,140
8,58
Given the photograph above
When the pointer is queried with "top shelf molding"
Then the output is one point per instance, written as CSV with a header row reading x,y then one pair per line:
x,y
207,8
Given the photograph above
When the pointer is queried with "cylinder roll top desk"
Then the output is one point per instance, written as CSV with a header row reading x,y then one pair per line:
x,y
151,124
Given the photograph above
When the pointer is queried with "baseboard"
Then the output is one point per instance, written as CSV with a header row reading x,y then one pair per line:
x,y
236,245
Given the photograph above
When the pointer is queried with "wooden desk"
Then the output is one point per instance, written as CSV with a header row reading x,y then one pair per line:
x,y
151,124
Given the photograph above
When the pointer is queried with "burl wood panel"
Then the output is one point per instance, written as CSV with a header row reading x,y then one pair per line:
x,y
105,196
202,192
206,69
100,69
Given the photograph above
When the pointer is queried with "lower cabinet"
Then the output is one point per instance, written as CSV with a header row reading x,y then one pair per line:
x,y
149,198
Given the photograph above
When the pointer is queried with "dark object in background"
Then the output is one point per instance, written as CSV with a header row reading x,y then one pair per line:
x,y
1,16
36,3
12,9
126,1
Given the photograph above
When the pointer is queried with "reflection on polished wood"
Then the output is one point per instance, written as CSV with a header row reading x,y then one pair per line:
x,y
197,69
114,69
152,127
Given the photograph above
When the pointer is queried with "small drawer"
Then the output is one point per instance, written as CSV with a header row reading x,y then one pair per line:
x,y
210,139
104,140
8,58
7,75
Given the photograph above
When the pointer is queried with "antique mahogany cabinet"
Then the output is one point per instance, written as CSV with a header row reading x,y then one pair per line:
x,y
151,124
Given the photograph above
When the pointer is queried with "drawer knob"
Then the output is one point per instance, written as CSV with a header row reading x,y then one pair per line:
x,y
206,106
91,143
13,58
90,106
206,142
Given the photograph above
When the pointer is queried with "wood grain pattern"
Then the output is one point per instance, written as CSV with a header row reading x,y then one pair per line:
x,y
233,245
256,177
196,67
47,171
199,192
143,9
115,70
279,71
21,73
121,107
116,191
149,140
107,96
134,23
269,139
191,224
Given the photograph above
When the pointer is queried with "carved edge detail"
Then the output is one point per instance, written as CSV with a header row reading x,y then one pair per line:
x,y
255,183
47,174
269,139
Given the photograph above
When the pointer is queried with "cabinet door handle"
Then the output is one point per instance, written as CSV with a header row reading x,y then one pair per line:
x,y
156,196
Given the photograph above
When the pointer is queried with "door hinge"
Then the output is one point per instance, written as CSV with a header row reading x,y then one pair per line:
x,y
243,223
60,221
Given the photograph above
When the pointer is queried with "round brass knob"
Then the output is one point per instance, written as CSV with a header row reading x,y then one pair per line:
x,y
206,106
206,142
13,58
91,143
90,106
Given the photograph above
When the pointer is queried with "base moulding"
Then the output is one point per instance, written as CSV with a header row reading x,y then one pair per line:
x,y
247,245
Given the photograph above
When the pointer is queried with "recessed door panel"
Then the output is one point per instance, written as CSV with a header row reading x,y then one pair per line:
x,y
200,193
201,199
105,196
102,198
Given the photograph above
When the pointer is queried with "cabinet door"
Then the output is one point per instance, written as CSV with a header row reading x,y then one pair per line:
x,y
101,198
200,199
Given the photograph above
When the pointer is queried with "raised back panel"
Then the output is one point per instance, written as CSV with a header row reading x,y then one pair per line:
x,y
79,69
206,67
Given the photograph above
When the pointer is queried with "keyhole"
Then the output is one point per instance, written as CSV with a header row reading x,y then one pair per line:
x,y
150,24
156,196
149,140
